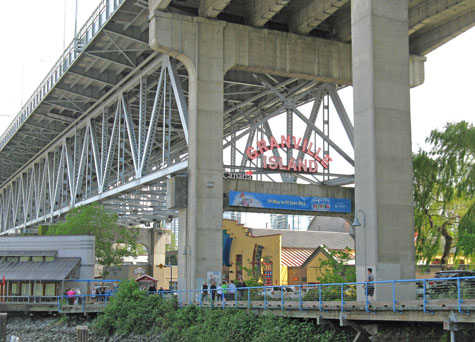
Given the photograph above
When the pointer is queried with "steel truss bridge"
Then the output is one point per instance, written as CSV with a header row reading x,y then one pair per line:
x,y
109,121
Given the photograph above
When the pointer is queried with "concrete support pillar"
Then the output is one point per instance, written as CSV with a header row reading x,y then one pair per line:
x,y
159,241
205,150
380,64
200,46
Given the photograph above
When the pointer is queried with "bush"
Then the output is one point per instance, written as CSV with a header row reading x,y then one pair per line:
x,y
133,311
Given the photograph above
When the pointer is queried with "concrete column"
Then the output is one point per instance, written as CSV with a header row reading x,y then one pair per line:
x,y
380,64
199,44
205,150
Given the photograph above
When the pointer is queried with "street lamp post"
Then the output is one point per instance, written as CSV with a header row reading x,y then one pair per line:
x,y
356,223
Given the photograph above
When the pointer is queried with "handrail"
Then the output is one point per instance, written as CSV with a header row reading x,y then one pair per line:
x,y
86,34
262,294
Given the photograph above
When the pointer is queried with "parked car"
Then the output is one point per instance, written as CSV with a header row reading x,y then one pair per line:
x,y
274,292
420,289
448,287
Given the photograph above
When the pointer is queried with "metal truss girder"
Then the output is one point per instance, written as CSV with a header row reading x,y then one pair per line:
x,y
179,95
130,131
261,117
132,33
157,104
47,127
105,77
112,58
57,117
291,105
30,135
88,93
175,168
66,105
76,167
127,57
344,118
19,143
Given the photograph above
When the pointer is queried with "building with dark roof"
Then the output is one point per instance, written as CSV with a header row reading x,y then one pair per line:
x,y
33,266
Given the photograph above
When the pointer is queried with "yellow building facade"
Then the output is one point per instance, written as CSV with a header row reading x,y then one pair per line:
x,y
282,257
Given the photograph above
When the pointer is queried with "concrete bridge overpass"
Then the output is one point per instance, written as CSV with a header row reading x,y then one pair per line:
x,y
152,89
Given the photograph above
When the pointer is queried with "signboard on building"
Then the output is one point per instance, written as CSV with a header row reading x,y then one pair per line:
x,y
213,277
238,175
287,202
301,165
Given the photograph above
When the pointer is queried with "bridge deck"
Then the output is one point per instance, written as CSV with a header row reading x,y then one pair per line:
x,y
440,310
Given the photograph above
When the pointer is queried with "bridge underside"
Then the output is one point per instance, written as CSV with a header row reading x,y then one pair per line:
x,y
147,91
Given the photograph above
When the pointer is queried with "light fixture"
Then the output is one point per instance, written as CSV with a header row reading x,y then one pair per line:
x,y
356,222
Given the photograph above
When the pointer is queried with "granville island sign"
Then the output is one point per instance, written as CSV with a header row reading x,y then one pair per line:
x,y
294,164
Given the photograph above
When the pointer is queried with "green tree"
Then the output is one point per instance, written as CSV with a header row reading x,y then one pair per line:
x,y
335,268
113,241
444,184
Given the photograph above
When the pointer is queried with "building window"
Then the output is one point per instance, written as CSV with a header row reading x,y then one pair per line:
x,y
38,289
256,260
14,291
50,289
25,289
238,266
37,258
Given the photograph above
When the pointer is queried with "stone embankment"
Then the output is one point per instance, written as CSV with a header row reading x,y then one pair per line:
x,y
54,329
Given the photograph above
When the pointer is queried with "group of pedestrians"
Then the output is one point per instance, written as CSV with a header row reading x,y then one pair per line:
x,y
225,291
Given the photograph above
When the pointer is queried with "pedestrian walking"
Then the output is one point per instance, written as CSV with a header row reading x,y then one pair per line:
x,y
204,291
370,283
231,290
213,291
240,285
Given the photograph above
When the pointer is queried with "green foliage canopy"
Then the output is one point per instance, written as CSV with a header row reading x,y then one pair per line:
x,y
444,184
335,268
113,241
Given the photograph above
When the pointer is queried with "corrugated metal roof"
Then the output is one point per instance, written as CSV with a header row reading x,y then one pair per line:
x,y
27,253
59,269
295,257
306,239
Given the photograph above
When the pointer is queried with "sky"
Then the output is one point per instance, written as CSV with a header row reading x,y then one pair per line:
x,y
35,33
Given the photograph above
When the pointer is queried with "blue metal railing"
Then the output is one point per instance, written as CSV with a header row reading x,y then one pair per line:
x,y
88,32
426,290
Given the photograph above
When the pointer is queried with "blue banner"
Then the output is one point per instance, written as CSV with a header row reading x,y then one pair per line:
x,y
256,200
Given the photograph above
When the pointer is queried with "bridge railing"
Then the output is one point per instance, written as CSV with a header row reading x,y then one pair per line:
x,y
427,292
86,34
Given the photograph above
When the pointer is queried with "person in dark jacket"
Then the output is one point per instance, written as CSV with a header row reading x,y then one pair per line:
x,y
241,291
204,291
213,291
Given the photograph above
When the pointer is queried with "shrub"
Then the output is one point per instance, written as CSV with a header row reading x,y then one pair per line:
x,y
133,311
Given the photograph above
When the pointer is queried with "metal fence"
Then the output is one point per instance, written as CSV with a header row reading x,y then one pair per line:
x,y
454,290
